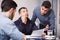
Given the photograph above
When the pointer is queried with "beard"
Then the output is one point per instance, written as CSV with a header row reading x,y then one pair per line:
x,y
11,16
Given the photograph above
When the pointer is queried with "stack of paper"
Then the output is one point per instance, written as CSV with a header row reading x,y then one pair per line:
x,y
37,32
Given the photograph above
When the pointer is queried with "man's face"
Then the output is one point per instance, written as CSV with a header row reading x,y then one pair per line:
x,y
43,10
24,13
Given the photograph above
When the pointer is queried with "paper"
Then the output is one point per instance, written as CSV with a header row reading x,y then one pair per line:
x,y
29,36
37,32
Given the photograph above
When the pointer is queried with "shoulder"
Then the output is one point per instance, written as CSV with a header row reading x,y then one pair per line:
x,y
37,7
51,13
36,10
18,20
4,19
51,10
31,22
6,23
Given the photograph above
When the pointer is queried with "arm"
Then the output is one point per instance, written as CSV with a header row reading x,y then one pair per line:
x,y
34,27
11,30
34,16
52,20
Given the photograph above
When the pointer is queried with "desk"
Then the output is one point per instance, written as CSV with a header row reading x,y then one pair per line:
x,y
33,38
39,38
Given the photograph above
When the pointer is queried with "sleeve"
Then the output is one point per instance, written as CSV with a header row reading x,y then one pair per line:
x,y
34,16
16,22
52,20
34,27
11,30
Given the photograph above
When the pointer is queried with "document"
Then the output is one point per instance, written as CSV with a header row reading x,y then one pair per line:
x,y
37,33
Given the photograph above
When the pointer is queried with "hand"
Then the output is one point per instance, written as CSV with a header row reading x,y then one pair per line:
x,y
47,27
43,35
24,38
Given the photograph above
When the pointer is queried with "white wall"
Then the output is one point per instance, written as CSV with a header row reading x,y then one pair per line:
x,y
30,4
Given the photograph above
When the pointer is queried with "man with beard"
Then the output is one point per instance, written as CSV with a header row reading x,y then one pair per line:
x,y
7,27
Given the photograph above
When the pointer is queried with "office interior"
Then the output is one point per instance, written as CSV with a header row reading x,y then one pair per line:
x,y
31,4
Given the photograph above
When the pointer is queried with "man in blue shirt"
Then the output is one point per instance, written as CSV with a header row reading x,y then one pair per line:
x,y
7,27
24,24
45,15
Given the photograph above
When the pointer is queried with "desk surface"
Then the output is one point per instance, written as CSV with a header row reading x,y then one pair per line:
x,y
29,36
46,37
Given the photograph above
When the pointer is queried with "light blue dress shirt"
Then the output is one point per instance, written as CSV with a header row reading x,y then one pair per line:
x,y
8,29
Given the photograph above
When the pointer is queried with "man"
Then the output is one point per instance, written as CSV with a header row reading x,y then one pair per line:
x,y
24,24
45,15
7,27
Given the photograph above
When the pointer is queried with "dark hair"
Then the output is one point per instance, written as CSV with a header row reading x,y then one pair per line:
x,y
6,5
46,4
21,8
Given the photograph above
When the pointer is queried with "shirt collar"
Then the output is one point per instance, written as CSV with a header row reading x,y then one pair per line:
x,y
22,22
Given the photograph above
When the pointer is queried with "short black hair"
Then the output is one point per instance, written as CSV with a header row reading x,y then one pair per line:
x,y
21,8
46,4
6,5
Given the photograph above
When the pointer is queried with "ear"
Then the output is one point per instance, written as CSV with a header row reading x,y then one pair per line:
x,y
11,10
20,15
